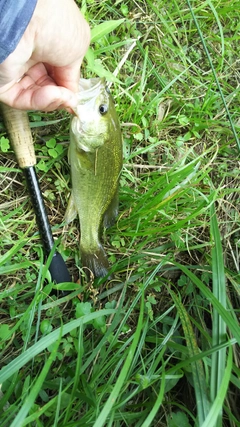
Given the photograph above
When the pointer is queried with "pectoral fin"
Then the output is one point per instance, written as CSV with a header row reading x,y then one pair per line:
x,y
71,211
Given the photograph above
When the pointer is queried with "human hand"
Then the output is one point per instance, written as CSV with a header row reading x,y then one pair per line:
x,y
43,71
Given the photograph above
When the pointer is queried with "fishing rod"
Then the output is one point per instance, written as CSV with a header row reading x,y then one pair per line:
x,y
18,128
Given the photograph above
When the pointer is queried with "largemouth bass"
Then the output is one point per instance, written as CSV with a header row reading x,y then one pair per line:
x,y
95,157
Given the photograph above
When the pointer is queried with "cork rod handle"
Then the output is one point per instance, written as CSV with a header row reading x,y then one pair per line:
x,y
18,128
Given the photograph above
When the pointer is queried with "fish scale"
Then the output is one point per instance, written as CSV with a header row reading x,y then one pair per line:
x,y
95,157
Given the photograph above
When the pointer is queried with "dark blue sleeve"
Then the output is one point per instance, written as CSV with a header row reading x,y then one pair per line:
x,y
14,19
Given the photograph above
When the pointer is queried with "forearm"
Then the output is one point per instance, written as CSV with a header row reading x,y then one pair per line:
x,y
14,19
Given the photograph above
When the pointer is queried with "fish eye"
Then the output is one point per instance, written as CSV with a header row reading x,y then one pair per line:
x,y
103,109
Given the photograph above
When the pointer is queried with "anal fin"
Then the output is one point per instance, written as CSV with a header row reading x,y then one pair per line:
x,y
111,212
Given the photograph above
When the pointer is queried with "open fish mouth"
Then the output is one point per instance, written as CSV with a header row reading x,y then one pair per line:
x,y
89,89
88,85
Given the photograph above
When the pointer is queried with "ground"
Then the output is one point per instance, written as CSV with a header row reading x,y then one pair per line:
x,y
156,345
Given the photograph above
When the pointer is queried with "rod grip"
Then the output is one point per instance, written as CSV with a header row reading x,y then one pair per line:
x,y
18,128
58,269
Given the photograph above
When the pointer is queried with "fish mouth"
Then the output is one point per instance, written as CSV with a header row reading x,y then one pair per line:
x,y
89,88
86,85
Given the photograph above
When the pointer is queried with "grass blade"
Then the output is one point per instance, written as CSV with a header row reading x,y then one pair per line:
x,y
226,315
198,373
104,28
58,404
16,364
157,403
77,373
216,408
219,325
29,401
100,421
214,74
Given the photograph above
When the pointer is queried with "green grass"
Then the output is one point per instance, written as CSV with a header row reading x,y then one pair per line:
x,y
159,344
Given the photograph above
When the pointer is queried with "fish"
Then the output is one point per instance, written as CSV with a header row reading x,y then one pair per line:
x,y
95,158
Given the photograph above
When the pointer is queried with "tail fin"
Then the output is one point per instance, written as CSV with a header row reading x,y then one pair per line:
x,y
96,262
